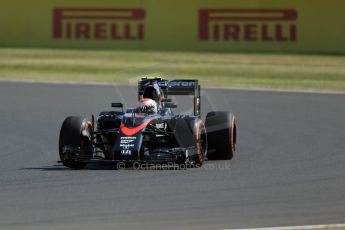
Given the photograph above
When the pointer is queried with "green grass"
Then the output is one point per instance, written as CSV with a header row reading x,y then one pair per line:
x,y
285,71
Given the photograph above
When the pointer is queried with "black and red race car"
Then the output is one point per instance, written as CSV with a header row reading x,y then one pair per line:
x,y
129,138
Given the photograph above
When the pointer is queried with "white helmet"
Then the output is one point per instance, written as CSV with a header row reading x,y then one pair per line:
x,y
147,106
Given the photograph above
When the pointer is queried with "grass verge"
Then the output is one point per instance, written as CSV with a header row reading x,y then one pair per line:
x,y
285,71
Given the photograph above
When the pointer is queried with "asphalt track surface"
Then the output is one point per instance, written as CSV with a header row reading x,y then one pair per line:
x,y
290,167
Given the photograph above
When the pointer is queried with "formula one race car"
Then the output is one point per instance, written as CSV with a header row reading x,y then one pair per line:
x,y
150,133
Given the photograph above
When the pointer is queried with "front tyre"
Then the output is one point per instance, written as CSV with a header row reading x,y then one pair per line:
x,y
190,132
71,136
221,135
199,131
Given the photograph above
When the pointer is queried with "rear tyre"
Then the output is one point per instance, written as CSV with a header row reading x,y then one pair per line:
x,y
221,135
71,135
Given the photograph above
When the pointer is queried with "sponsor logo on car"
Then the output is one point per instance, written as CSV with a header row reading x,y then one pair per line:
x,y
126,152
127,140
126,146
181,84
248,25
98,24
173,83
126,143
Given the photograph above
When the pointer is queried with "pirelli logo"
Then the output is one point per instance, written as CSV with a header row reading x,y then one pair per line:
x,y
98,24
248,25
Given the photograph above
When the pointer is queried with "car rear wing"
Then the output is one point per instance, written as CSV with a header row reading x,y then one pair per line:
x,y
174,87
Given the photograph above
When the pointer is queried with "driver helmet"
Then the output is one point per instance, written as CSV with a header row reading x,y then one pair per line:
x,y
153,92
147,106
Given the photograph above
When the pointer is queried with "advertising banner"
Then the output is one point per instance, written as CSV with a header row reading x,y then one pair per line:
x,y
206,25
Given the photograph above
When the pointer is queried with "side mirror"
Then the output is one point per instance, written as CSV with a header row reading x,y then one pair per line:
x,y
170,105
117,105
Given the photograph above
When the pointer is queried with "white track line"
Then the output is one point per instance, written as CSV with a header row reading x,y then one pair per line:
x,y
206,87
296,227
